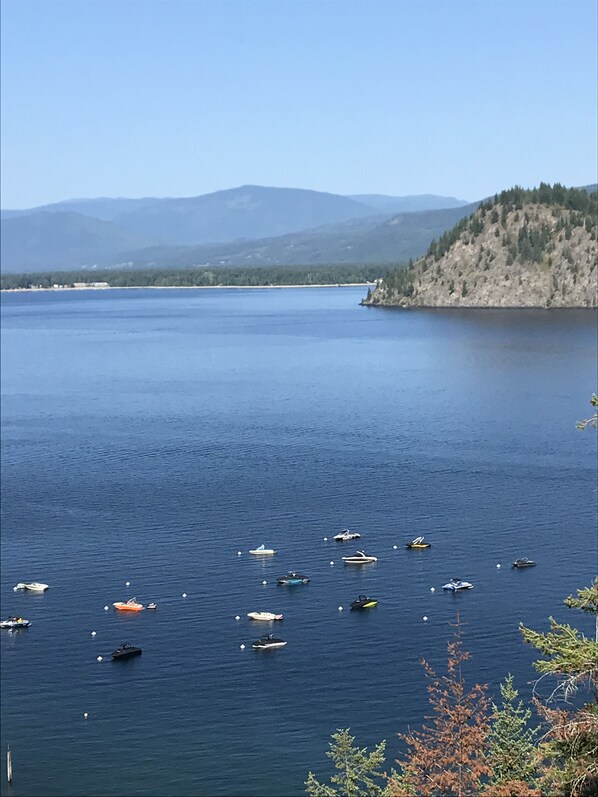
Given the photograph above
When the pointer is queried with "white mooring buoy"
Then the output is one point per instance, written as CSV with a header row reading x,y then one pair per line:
x,y
340,608
85,716
93,633
264,583
325,539
239,553
242,647
105,608
432,589
425,619
99,658
127,583
498,566
331,563
184,595
237,617
394,547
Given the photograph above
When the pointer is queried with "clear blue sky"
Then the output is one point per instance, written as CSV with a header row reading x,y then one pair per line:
x,y
183,97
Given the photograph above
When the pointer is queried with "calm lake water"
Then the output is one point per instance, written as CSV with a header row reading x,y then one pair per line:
x,y
147,436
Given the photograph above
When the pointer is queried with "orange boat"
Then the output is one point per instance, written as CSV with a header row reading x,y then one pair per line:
x,y
130,606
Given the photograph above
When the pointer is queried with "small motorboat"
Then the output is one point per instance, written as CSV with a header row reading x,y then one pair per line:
x,y
262,551
264,616
32,586
418,544
293,578
346,536
126,651
363,602
14,623
129,606
359,558
152,606
268,642
525,562
456,584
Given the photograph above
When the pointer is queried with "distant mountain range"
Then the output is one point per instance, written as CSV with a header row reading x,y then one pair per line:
x,y
250,225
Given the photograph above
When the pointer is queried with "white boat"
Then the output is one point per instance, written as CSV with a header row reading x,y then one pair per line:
x,y
15,622
346,536
34,586
267,642
456,584
359,558
265,616
262,551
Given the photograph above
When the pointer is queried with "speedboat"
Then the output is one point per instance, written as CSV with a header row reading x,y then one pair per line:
x,y
359,558
262,551
130,606
293,578
346,536
418,543
266,616
363,602
455,584
126,651
525,562
15,622
33,586
267,642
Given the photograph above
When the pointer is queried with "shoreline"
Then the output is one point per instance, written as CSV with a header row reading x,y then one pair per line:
x,y
187,287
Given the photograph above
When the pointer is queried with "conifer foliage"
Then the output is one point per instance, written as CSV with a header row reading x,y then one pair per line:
x,y
358,772
512,753
448,756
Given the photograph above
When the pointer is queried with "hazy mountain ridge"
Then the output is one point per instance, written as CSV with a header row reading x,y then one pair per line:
x,y
533,248
214,221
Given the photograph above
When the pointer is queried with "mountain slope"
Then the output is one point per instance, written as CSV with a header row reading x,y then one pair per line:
x,y
522,249
248,212
408,204
62,240
376,239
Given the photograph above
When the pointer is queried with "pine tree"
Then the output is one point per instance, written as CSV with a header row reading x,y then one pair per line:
x,y
570,746
448,757
512,754
357,770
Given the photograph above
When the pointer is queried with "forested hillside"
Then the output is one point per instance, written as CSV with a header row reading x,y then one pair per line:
x,y
522,248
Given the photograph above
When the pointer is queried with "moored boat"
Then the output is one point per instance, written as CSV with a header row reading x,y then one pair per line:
x,y
13,623
128,606
126,651
456,584
418,544
267,642
32,586
152,606
292,578
363,602
524,562
359,558
346,536
262,551
264,616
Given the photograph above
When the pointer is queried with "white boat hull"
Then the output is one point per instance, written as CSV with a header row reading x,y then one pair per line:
x,y
33,586
265,552
264,616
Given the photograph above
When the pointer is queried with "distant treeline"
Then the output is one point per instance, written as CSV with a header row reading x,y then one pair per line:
x,y
226,276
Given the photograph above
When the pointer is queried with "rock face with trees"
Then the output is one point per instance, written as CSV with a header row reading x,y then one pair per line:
x,y
523,248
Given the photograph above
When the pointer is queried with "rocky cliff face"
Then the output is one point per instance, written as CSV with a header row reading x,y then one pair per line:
x,y
507,254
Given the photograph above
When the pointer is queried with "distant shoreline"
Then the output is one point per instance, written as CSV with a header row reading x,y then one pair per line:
x,y
187,287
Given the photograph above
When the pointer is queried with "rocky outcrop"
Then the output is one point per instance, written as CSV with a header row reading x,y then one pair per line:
x,y
509,253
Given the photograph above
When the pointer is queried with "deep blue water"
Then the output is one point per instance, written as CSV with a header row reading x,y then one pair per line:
x,y
150,435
